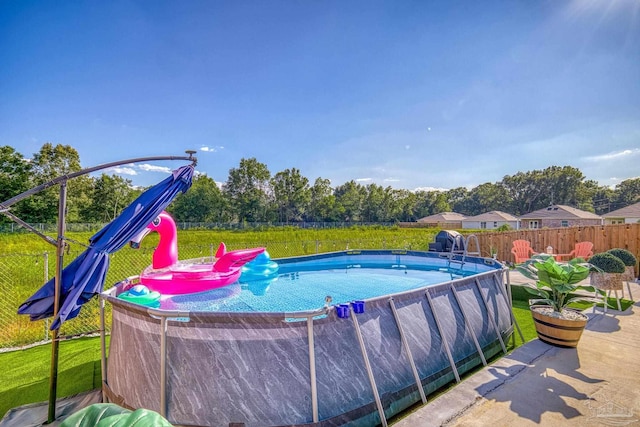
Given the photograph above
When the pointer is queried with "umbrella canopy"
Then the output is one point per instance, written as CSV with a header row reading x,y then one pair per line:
x,y
84,277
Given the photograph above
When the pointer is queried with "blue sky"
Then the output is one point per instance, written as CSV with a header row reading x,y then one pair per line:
x,y
407,94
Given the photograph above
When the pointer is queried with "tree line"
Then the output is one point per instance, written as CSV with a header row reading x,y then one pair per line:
x,y
252,193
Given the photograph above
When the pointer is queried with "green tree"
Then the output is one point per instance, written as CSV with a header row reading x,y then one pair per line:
x,y
407,205
350,198
374,204
14,177
430,203
456,198
49,163
627,193
249,192
292,194
524,191
393,205
595,198
537,189
204,202
484,198
110,195
561,186
322,206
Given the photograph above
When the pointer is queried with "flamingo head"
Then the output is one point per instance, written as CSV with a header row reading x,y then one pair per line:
x,y
166,253
137,239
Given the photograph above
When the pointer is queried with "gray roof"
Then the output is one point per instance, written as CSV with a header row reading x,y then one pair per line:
x,y
443,217
631,211
492,216
560,212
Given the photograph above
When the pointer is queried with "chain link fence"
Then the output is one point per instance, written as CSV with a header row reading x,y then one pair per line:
x,y
22,274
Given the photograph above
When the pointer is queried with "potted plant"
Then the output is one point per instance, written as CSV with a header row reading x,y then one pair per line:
x,y
629,261
607,272
555,286
493,251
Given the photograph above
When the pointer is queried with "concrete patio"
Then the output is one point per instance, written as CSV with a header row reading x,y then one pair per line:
x,y
597,383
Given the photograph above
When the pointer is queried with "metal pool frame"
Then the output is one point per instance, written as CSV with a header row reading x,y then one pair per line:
x,y
328,314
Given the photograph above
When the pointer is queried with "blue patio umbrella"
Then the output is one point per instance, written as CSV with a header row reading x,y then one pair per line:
x,y
84,277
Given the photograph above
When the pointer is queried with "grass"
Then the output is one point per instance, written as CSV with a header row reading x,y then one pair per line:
x,y
27,381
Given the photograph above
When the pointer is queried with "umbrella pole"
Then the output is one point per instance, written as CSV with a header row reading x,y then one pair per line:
x,y
53,377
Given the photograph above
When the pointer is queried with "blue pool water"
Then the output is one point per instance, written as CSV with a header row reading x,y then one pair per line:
x,y
303,284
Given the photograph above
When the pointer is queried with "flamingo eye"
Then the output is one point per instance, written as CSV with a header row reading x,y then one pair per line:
x,y
156,222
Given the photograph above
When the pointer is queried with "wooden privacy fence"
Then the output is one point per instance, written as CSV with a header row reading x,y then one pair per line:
x,y
562,240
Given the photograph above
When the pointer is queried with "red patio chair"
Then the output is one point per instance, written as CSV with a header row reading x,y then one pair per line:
x,y
522,250
581,250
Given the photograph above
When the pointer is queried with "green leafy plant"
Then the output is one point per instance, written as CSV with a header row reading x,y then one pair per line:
x,y
605,262
555,283
625,256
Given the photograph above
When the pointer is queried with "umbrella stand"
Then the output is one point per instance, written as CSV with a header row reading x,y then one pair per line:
x,y
53,376
59,242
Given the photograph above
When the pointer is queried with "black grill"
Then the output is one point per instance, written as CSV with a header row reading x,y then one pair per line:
x,y
446,240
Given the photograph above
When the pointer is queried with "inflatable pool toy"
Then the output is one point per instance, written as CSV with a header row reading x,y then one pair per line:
x,y
140,294
167,275
261,268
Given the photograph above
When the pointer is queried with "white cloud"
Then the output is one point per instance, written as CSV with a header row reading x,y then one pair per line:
x,y
152,168
208,149
429,189
122,170
363,180
391,180
616,155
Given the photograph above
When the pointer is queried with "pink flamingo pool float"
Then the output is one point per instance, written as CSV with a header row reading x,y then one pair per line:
x,y
167,275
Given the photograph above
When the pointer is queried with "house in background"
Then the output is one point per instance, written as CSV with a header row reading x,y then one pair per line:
x,y
491,220
626,215
558,216
443,220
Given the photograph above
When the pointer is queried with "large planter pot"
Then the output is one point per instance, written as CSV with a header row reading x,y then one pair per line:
x,y
607,281
559,331
629,274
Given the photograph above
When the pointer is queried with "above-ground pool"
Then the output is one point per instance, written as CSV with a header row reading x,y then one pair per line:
x,y
347,338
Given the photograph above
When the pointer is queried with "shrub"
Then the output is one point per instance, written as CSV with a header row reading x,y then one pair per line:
x,y
607,263
625,256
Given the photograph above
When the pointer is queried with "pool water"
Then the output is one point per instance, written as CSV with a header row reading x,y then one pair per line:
x,y
303,286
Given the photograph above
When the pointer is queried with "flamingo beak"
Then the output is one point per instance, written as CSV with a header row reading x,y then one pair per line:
x,y
136,240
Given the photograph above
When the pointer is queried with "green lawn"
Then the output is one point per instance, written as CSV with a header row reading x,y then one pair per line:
x,y
25,374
